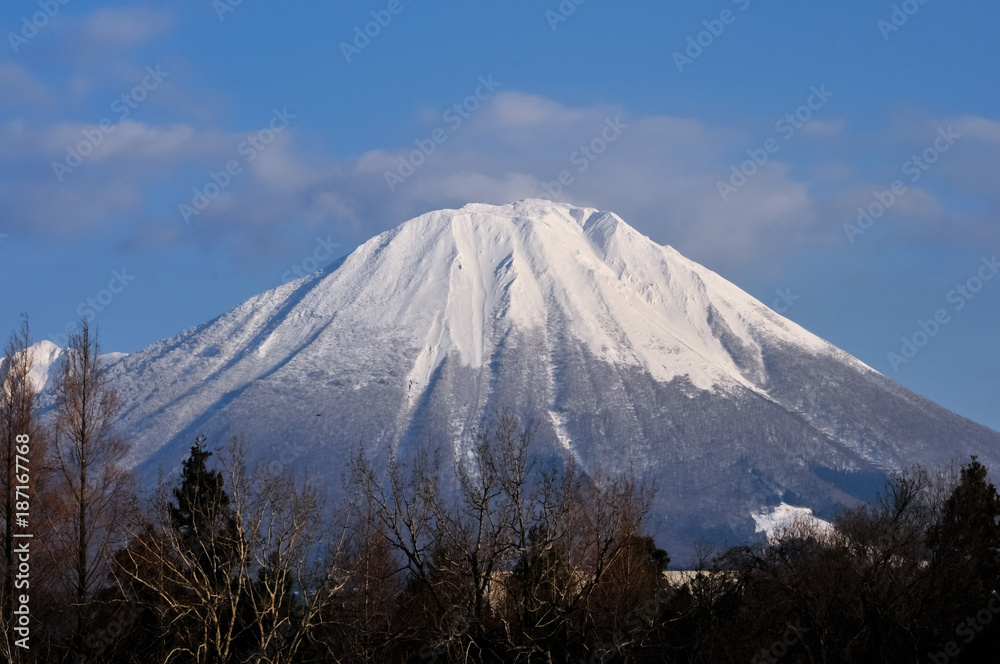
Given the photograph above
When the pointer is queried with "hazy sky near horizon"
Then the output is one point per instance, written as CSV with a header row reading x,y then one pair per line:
x,y
160,163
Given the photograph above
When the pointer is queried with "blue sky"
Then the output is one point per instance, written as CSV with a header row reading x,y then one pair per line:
x,y
162,97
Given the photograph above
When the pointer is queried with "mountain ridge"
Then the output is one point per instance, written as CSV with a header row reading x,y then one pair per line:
x,y
622,351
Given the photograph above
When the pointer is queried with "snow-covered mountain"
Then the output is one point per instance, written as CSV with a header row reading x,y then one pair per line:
x,y
45,357
623,352
46,362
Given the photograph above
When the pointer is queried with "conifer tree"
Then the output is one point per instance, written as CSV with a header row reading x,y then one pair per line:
x,y
968,532
203,517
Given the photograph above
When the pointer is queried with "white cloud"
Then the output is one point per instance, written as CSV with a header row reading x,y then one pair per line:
x,y
517,109
110,180
278,168
19,87
660,174
824,128
832,171
118,29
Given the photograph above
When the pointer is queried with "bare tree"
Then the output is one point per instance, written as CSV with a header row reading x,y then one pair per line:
x,y
17,396
364,624
253,581
93,500
299,574
18,424
862,590
509,556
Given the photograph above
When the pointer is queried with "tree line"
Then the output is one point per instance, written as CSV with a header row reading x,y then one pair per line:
x,y
499,556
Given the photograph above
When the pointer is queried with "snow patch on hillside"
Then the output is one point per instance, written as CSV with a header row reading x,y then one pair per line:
x,y
783,517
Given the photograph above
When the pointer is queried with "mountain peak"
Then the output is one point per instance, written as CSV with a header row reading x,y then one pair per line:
x,y
537,210
621,351
458,279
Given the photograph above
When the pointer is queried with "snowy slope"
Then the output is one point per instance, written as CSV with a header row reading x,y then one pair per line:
x,y
45,357
779,520
623,352
46,361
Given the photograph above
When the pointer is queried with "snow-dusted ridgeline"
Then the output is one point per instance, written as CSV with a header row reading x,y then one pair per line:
x,y
623,352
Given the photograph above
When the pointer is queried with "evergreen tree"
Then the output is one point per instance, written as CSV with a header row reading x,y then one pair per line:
x,y
203,517
967,536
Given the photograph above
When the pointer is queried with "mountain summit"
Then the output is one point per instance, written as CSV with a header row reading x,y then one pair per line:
x,y
622,352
